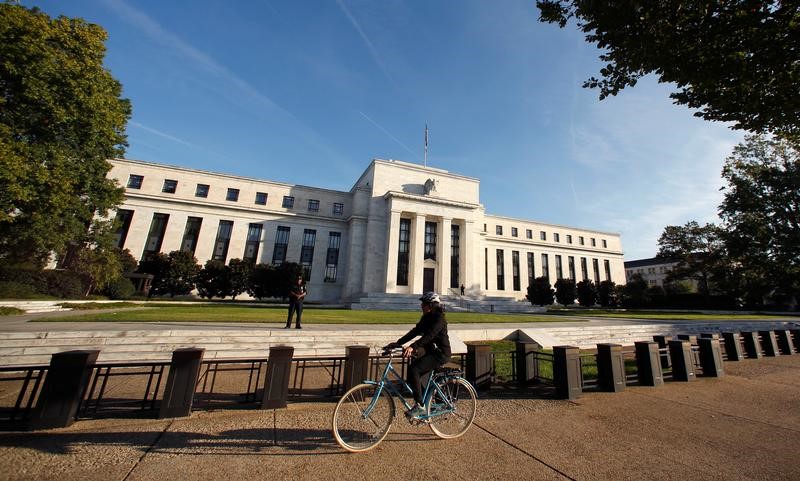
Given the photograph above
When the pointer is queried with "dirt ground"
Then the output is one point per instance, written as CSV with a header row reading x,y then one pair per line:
x,y
745,425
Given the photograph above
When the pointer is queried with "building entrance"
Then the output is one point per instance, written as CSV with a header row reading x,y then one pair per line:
x,y
428,279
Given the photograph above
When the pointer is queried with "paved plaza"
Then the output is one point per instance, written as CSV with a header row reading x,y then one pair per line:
x,y
745,425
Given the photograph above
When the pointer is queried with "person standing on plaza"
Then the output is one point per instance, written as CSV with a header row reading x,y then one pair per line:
x,y
297,293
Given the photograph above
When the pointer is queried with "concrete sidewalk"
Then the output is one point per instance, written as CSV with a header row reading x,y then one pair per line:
x,y
745,426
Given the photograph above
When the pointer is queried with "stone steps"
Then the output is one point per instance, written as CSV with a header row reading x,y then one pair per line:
x,y
33,307
410,302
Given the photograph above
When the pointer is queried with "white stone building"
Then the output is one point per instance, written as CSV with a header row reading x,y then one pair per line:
x,y
402,228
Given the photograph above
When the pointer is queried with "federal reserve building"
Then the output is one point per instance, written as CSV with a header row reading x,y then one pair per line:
x,y
401,229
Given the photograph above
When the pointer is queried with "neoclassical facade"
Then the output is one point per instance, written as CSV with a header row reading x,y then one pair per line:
x,y
402,228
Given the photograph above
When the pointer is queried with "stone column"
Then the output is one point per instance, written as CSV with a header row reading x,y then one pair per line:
x,y
416,259
443,256
393,244
469,274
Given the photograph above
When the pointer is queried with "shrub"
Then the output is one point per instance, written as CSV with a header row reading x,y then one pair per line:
x,y
587,293
541,292
17,290
213,280
64,284
120,288
566,291
607,294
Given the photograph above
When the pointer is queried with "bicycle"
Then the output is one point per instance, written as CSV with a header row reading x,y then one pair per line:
x,y
364,413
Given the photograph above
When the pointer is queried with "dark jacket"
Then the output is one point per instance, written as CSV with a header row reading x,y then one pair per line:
x,y
432,328
295,292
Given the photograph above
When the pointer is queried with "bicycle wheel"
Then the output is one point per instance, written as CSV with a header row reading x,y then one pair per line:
x,y
356,427
457,410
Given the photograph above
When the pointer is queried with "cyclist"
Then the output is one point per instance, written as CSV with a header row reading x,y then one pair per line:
x,y
433,342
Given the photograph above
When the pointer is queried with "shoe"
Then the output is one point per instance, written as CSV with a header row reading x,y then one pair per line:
x,y
297,327
416,412
287,327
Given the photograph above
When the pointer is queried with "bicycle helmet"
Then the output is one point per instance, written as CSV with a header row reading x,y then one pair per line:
x,y
430,298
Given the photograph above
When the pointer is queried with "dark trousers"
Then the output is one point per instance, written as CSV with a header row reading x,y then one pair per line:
x,y
421,366
294,306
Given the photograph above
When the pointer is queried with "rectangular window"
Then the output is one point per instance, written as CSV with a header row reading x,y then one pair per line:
x,y
542,235
313,205
288,202
528,234
531,269
545,266
253,241
486,265
191,233
605,244
594,242
498,229
584,270
232,195
514,232
201,190
123,222
454,253
501,281
332,258
596,269
402,252
430,240
559,268
156,235
556,237
261,198
571,267
281,243
580,240
135,181
569,238
223,240
307,252
607,266
515,270
170,186
338,209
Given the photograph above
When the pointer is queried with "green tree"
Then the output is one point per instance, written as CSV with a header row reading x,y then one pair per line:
x,y
634,293
541,293
214,280
566,291
699,251
263,278
587,293
761,211
606,294
173,273
61,117
239,275
733,61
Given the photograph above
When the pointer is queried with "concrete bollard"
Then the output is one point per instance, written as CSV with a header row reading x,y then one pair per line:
x,y
709,335
785,342
648,363
526,364
710,357
479,365
733,346
751,345
62,392
276,382
610,368
688,337
184,371
356,365
663,343
567,375
795,338
768,343
682,363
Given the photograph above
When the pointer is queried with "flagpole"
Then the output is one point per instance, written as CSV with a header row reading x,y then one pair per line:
x,y
426,145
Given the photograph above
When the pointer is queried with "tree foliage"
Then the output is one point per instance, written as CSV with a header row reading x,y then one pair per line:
x,y
173,273
734,61
541,293
634,292
61,117
607,294
699,251
214,280
239,274
566,291
587,293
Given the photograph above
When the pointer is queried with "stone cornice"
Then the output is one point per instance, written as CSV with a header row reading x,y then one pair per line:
x,y
393,194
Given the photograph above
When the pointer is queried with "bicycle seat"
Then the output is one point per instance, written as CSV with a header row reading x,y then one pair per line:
x,y
448,371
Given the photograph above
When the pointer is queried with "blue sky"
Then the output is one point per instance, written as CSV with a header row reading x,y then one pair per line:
x,y
309,92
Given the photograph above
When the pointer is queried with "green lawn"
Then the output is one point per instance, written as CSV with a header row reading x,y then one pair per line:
x,y
227,313
676,315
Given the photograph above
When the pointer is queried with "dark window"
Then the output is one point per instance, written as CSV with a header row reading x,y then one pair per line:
x,y
581,240
135,181
123,223
571,267
528,234
402,252
191,233
556,237
233,195
498,229
307,252
430,240
281,242
501,280
559,269
513,232
201,190
531,269
223,240
288,202
253,241
485,264
515,270
605,244
569,239
607,266
454,253
338,209
332,258
584,270
543,235
484,227
594,243
545,267
156,235
313,205
261,198
170,186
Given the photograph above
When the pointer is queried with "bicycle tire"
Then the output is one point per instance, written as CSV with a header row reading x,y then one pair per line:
x,y
351,429
462,396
